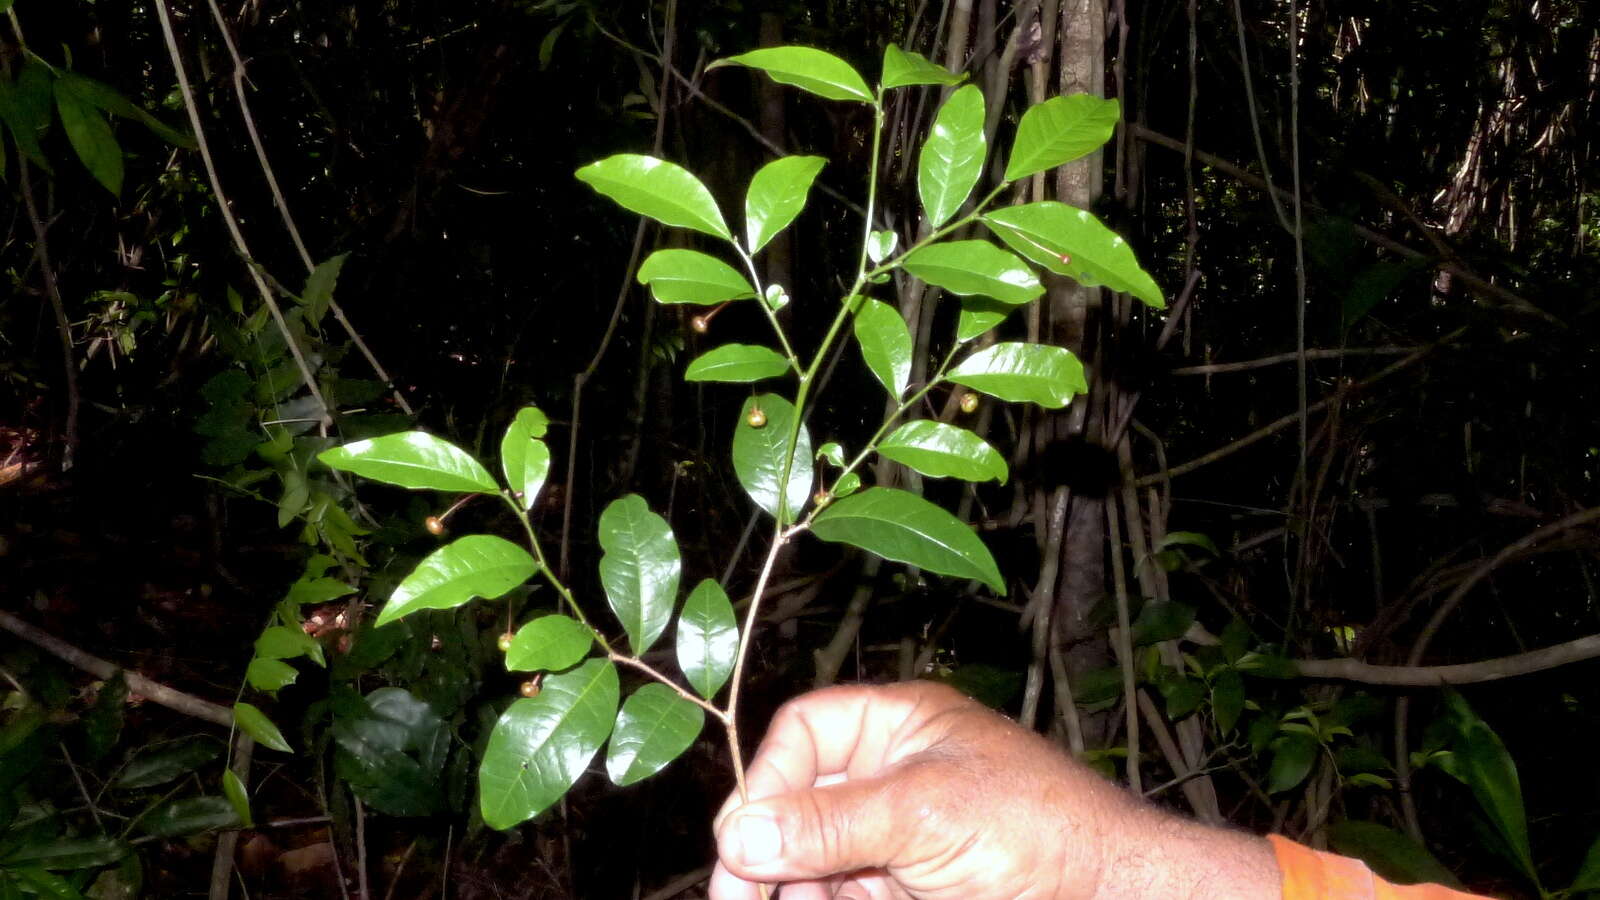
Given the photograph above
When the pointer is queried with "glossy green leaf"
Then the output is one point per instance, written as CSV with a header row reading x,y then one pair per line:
x,y
67,854
1060,130
1588,877
1227,699
944,451
653,728
20,116
657,189
708,638
900,526
904,68
640,569
1189,539
881,244
44,883
283,642
1391,854
412,459
477,565
165,762
833,453
737,363
978,315
777,298
1484,764
238,798
847,484
807,68
270,675
776,196
391,749
107,98
255,723
549,643
758,455
320,285
1072,242
91,138
975,267
885,343
689,276
1161,620
1023,373
541,746
1293,754
191,815
952,155
525,458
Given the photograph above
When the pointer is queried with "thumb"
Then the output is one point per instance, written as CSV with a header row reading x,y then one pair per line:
x,y
813,833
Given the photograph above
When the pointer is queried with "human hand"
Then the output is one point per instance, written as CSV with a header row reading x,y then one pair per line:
x,y
915,791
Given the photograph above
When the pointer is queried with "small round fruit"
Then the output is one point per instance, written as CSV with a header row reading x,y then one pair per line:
x,y
434,524
969,402
756,418
821,498
504,643
530,688
700,324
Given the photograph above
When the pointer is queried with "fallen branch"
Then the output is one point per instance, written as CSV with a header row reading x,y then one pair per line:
x,y
1464,673
155,691
1263,362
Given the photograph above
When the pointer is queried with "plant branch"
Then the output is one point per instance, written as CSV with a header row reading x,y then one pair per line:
x,y
1512,666
1265,361
637,663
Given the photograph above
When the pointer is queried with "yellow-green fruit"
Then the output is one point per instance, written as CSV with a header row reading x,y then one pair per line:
x,y
504,643
434,524
969,402
756,417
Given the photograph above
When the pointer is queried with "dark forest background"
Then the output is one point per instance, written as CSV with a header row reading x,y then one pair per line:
x,y
1359,443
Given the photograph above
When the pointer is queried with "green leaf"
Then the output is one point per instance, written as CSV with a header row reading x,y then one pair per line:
x,y
978,315
640,569
67,854
412,459
1292,757
1183,695
1588,877
392,748
1161,620
523,457
238,798
102,723
549,643
776,196
903,527
904,68
708,638
806,68
107,98
1486,767
255,723
1072,242
1189,539
657,189
880,244
758,455
975,267
540,746
270,675
885,343
283,642
654,727
19,113
91,138
952,155
44,884
1227,699
737,363
833,453
944,451
478,565
165,762
1391,854
318,590
1034,373
1060,130
777,298
847,484
689,276
191,815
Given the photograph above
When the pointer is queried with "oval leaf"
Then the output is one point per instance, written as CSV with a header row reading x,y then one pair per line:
x,y
1391,854
737,363
255,723
944,451
523,457
904,68
689,276
708,638
191,815
640,569
758,456
238,797
654,727
975,267
478,565
661,190
978,315
777,194
1227,699
1161,620
540,746
880,244
165,762
1292,757
91,138
1060,130
885,342
806,68
903,527
65,854
412,459
952,156
549,643
1070,241
1023,373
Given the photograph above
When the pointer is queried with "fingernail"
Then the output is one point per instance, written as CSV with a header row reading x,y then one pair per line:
x,y
759,841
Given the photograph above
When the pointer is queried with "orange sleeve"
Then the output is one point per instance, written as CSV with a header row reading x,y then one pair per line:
x,y
1312,875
